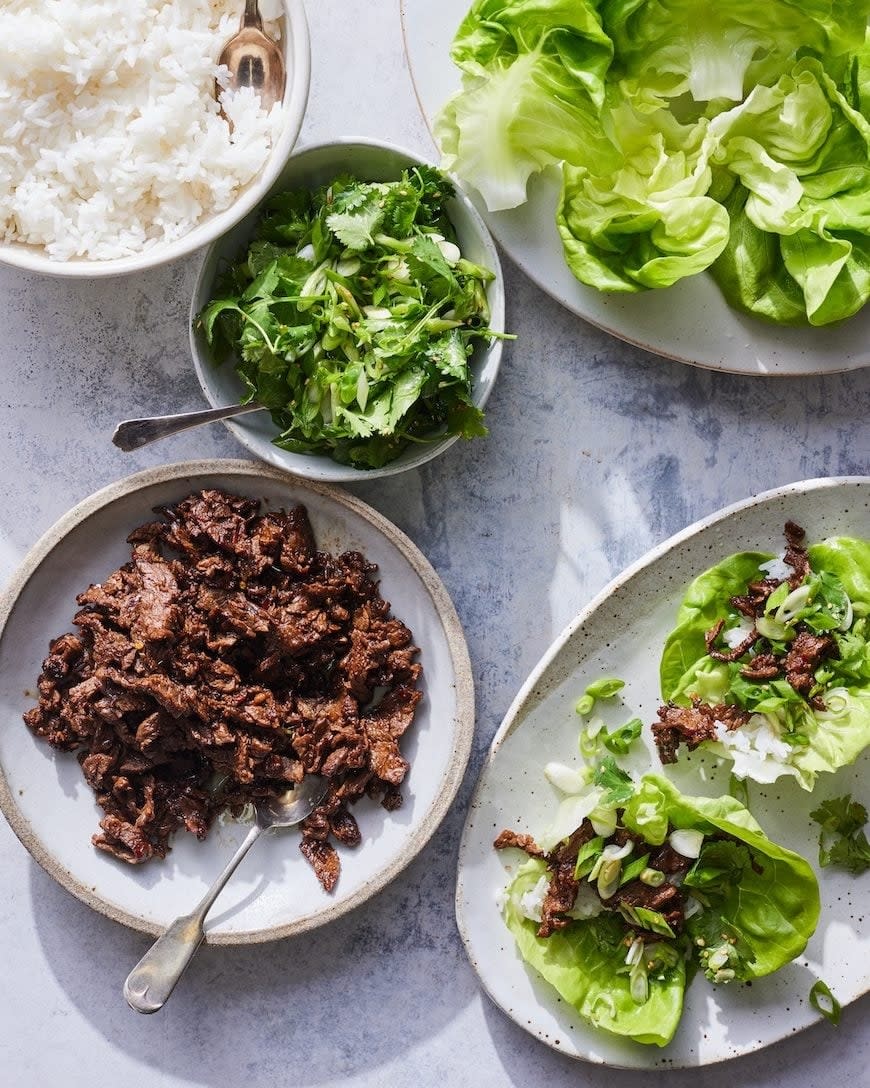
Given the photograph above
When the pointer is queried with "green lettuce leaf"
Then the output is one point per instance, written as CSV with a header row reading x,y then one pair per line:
x,y
705,601
776,909
582,963
799,249
818,741
767,903
533,86
634,211
733,137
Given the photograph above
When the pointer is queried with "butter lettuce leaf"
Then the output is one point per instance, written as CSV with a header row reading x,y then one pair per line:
x,y
764,897
582,963
799,250
533,87
733,137
801,741
705,601
775,907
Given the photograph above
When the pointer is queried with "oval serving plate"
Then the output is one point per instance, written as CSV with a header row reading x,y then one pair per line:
x,y
274,893
621,633
689,322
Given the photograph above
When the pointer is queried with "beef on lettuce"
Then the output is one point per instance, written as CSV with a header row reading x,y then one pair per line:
x,y
769,661
648,886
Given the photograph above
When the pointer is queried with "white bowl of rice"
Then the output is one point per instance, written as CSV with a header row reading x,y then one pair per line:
x,y
114,156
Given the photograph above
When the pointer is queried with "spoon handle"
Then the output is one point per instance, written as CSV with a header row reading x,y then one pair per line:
x,y
153,979
133,433
251,16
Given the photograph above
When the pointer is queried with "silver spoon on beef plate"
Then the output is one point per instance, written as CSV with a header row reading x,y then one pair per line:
x,y
153,979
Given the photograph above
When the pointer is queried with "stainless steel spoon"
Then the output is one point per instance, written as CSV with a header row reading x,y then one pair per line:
x,y
130,434
254,59
153,979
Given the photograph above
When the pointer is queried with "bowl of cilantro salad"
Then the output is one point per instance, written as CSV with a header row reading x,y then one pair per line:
x,y
362,305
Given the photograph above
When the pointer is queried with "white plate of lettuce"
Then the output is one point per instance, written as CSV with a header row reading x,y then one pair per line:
x,y
764,181
623,633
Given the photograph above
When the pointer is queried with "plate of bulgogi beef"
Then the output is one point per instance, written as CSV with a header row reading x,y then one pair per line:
x,y
680,790
198,637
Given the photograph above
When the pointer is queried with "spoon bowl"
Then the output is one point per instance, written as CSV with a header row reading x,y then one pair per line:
x,y
254,59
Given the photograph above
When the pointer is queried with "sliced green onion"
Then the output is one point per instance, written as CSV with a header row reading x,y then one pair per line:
x,y
654,878
598,689
635,952
772,629
589,738
567,779
823,1001
612,852
587,856
603,820
687,842
634,869
621,739
654,921
608,877
639,983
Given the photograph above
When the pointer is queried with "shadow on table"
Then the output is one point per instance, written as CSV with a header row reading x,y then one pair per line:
x,y
325,1004
808,1057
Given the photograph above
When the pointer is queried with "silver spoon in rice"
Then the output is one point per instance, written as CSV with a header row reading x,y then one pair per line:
x,y
254,59
153,979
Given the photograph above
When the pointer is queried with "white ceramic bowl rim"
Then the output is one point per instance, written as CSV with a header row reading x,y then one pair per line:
x,y
298,60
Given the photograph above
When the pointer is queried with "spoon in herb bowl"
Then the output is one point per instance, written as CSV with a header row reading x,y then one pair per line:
x,y
254,59
131,434
153,979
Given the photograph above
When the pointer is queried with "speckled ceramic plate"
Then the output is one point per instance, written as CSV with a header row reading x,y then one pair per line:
x,y
621,633
689,321
274,893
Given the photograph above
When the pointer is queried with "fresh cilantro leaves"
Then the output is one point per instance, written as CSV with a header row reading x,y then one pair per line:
x,y
719,867
352,318
618,785
843,841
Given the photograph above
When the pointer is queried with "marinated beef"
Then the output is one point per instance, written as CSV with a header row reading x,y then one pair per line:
x,y
667,899
225,661
692,725
798,662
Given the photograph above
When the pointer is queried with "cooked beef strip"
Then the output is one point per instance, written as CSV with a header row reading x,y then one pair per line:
x,y
667,898
224,662
797,664
692,725
804,656
510,838
728,655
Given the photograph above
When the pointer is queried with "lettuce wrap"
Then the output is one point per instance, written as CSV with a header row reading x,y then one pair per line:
x,y
740,906
781,687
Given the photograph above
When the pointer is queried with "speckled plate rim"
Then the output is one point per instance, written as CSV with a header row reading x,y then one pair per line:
x,y
511,721
455,640
569,301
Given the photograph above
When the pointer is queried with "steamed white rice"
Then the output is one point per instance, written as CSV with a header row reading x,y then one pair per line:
x,y
111,141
